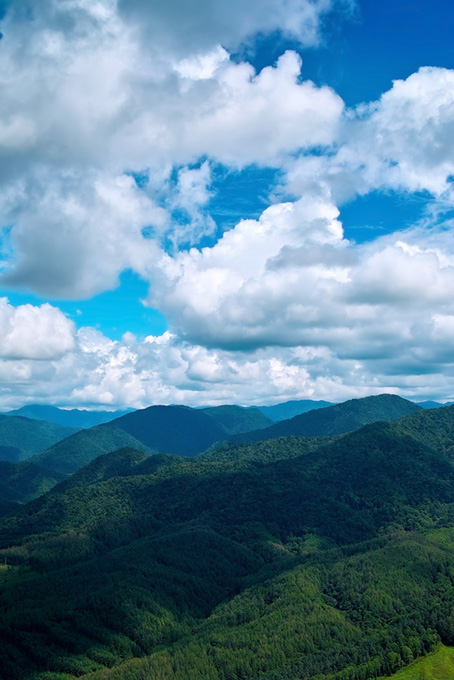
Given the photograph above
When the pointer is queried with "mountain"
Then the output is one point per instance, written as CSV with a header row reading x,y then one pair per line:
x,y
166,429
75,451
235,419
289,409
337,419
125,462
180,430
22,437
433,404
78,419
22,482
288,558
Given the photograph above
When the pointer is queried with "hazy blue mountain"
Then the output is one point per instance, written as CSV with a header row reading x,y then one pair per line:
x,y
236,419
75,418
21,438
180,430
336,419
289,409
433,404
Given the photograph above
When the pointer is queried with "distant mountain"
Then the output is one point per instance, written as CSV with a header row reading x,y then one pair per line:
x,y
289,409
337,419
75,418
180,430
433,404
236,419
21,438
75,451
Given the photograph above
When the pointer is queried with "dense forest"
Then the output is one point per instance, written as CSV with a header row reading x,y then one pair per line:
x,y
322,558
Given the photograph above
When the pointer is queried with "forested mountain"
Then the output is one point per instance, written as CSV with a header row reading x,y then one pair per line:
x,y
290,558
75,451
290,409
236,419
336,419
22,482
76,418
21,437
182,430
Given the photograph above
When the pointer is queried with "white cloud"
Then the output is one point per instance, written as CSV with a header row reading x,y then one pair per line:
x,y
291,280
85,100
180,28
73,236
403,142
101,373
29,332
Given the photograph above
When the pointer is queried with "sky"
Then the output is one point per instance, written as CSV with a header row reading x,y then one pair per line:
x,y
205,202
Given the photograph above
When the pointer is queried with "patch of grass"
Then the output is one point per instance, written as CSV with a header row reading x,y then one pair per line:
x,y
436,666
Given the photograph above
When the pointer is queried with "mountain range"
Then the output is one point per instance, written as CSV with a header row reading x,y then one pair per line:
x,y
75,418
326,557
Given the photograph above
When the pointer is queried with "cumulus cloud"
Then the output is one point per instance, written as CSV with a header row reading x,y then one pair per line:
x,y
403,142
100,373
205,23
73,236
29,332
385,302
86,106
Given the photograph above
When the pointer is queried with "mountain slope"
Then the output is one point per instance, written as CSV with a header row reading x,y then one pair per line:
x,y
433,404
22,437
236,419
125,462
172,429
290,409
76,418
337,419
75,451
22,482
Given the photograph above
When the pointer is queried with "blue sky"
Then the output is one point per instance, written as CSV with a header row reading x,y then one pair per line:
x,y
242,204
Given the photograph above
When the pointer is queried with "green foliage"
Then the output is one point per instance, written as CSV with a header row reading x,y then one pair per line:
x,y
22,482
438,665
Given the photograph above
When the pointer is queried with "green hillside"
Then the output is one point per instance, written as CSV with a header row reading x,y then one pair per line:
x,y
285,559
22,482
20,437
337,419
125,462
438,665
75,451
